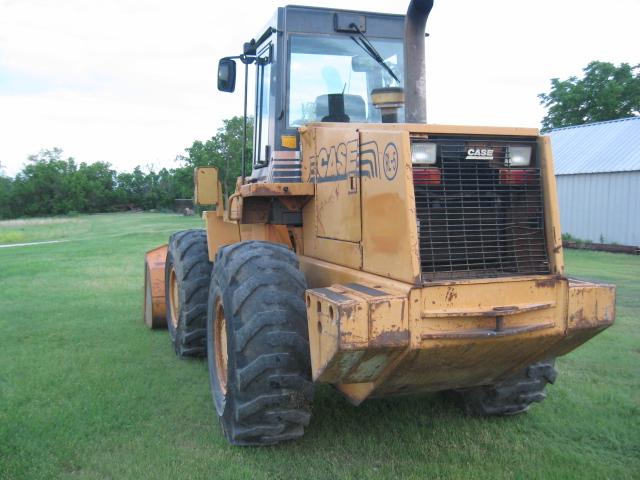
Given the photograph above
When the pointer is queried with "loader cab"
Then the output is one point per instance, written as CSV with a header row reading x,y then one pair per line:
x,y
317,65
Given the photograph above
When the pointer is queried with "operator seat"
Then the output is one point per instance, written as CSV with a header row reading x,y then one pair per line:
x,y
340,107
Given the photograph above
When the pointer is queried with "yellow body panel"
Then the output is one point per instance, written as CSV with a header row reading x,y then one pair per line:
x,y
266,232
386,212
154,292
277,189
207,188
332,219
375,327
438,337
552,213
358,331
462,332
591,309
219,232
388,206
337,179
432,128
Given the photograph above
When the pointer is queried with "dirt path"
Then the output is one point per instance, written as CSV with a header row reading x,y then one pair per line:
x,y
31,243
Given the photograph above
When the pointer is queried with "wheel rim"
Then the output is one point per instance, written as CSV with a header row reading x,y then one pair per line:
x,y
174,298
220,346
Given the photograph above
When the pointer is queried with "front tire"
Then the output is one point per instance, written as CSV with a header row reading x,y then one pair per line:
x,y
257,344
187,274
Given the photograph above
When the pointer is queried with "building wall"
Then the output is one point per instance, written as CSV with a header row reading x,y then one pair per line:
x,y
601,207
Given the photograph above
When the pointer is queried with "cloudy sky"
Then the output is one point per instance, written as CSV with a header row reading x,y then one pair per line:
x,y
133,81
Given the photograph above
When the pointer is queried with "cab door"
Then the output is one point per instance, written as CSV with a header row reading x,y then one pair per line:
x,y
263,128
337,204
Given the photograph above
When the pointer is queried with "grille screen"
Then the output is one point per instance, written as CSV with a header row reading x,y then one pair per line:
x,y
477,217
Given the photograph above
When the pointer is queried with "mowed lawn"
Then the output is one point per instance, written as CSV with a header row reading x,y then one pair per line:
x,y
87,391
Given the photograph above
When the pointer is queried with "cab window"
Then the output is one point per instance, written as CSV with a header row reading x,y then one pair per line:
x,y
322,67
262,148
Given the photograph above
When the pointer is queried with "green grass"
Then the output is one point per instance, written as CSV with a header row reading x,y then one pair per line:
x,y
86,391
42,229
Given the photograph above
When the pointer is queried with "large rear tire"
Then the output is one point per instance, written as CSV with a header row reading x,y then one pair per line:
x,y
257,342
187,275
510,397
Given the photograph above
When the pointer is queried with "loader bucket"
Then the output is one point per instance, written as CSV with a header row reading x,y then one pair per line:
x,y
154,297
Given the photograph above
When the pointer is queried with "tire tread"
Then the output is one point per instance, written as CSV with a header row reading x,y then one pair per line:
x,y
512,396
269,398
189,256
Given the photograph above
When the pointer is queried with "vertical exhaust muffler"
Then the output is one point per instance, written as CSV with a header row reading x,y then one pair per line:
x,y
414,61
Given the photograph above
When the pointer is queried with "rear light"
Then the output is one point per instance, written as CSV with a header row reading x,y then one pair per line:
x,y
518,156
517,177
424,153
426,176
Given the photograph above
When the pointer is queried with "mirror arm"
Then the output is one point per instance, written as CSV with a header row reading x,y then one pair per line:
x,y
248,58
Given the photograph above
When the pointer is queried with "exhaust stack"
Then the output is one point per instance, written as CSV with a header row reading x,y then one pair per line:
x,y
414,61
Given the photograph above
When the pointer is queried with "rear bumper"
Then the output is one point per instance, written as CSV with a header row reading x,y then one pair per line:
x,y
375,341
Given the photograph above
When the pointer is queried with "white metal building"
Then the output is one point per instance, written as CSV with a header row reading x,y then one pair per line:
x,y
597,169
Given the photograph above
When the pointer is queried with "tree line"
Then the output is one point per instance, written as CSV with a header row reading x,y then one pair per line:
x,y
50,184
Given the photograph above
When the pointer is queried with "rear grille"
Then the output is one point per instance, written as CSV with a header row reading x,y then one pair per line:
x,y
476,217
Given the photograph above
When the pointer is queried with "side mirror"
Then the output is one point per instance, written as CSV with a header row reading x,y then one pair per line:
x,y
226,75
207,188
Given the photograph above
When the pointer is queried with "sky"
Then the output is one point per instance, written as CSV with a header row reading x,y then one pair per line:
x,y
133,82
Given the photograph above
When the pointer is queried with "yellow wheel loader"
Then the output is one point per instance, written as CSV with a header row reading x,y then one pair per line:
x,y
368,249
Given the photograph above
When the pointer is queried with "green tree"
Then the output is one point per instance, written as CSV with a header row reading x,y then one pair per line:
x,y
224,151
52,185
151,189
6,197
94,187
133,189
45,185
605,92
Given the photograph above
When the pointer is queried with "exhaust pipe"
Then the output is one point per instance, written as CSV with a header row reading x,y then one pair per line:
x,y
414,62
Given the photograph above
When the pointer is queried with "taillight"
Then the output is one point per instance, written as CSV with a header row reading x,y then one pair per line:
x,y
517,177
426,176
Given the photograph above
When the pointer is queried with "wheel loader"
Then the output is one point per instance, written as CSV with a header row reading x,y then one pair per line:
x,y
368,249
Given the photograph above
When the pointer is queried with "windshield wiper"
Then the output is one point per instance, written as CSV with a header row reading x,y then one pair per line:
x,y
364,43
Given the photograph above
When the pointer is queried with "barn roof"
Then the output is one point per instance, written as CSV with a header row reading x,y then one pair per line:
x,y
612,146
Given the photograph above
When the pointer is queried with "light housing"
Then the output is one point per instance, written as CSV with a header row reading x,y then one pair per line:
x,y
518,156
423,153
514,176
427,176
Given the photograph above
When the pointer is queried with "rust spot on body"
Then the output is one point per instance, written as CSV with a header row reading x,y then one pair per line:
x,y
347,310
393,338
546,283
451,294
265,191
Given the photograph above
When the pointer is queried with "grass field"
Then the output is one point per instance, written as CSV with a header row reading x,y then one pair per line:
x,y
86,391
